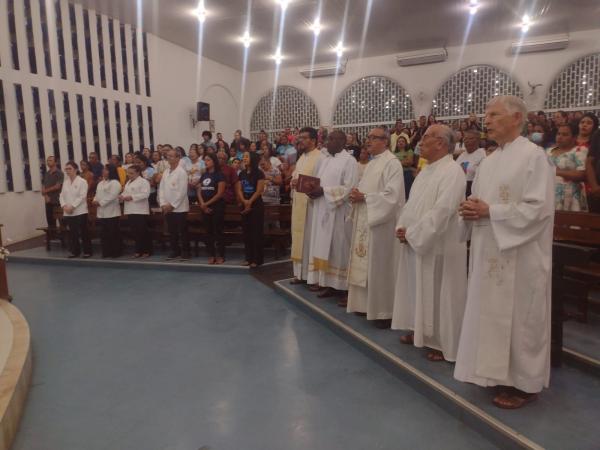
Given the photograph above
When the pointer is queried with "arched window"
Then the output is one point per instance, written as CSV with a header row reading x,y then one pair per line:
x,y
468,91
577,85
286,106
373,100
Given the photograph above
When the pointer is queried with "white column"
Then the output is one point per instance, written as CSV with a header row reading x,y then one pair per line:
x,y
61,127
66,32
78,154
32,144
118,60
83,56
146,126
129,52
94,44
22,44
14,136
140,60
38,37
46,122
5,55
52,38
101,132
124,134
3,186
89,129
106,44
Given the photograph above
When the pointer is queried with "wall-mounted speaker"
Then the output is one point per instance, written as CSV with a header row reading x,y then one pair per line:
x,y
202,112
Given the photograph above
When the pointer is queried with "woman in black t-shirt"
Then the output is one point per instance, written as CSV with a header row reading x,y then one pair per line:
x,y
249,189
211,191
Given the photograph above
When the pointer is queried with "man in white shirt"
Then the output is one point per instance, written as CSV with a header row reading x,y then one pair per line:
x,y
470,159
505,337
173,200
431,287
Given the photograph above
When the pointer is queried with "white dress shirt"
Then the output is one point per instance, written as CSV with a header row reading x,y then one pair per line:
x,y
74,193
139,190
107,195
173,189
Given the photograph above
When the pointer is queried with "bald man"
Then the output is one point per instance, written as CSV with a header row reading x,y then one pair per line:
x,y
505,338
431,286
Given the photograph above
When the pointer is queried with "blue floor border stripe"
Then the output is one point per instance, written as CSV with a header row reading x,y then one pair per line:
x,y
487,425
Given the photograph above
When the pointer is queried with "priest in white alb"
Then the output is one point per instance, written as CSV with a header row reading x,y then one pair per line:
x,y
302,207
431,286
377,202
331,228
505,338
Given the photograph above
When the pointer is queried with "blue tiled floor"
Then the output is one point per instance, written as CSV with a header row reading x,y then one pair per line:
x,y
564,417
158,359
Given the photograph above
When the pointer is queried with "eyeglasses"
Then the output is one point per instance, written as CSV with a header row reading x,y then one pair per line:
x,y
371,137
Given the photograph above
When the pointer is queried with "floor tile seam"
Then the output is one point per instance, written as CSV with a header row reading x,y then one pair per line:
x,y
474,410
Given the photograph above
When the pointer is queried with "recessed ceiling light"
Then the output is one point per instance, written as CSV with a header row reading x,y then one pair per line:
x,y
339,49
200,11
277,56
473,7
525,23
316,27
284,4
246,39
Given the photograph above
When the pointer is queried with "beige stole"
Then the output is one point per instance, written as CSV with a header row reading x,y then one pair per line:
x,y
305,166
359,252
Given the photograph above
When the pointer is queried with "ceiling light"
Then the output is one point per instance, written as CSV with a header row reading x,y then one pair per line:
x,y
284,4
316,27
200,11
277,56
246,39
473,7
525,23
339,49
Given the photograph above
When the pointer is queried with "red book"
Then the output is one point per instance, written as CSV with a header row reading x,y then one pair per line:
x,y
307,184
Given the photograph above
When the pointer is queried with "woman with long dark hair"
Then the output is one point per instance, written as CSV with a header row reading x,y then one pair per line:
x,y
249,188
109,212
211,195
73,200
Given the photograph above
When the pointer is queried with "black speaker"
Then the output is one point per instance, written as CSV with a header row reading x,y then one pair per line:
x,y
202,112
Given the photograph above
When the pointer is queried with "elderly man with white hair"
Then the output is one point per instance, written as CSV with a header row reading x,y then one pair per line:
x,y
505,338
431,286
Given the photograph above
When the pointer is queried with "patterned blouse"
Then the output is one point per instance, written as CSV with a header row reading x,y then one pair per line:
x,y
570,195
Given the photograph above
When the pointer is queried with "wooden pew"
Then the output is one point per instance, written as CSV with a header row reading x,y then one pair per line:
x,y
574,272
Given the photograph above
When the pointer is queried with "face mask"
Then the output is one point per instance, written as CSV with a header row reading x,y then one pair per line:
x,y
537,137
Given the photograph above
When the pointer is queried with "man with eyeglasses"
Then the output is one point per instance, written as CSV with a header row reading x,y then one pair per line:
x,y
431,287
302,208
373,252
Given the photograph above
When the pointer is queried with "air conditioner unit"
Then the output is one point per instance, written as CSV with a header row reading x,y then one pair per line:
x,y
325,70
422,57
541,44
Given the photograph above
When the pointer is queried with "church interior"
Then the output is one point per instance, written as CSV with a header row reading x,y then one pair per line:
x,y
299,224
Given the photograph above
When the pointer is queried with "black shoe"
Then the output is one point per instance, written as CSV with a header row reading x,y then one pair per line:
x,y
71,256
382,324
87,255
185,257
172,256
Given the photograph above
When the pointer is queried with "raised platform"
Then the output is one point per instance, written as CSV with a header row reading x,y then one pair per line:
x,y
15,370
233,261
564,417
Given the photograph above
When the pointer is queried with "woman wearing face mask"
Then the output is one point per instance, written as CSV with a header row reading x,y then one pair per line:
x,y
538,136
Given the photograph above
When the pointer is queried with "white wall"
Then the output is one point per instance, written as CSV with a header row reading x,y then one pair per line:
x,y
174,87
426,79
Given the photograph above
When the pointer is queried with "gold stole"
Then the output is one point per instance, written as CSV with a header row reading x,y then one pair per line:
x,y
305,166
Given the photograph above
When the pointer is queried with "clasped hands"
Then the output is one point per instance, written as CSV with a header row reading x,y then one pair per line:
x,y
401,235
356,196
474,209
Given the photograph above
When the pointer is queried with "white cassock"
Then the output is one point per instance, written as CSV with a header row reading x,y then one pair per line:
x,y
505,337
302,213
374,249
331,229
431,286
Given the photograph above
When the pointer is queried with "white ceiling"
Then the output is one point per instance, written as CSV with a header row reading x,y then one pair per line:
x,y
393,25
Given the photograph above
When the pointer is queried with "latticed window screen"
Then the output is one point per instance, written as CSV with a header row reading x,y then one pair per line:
x,y
469,90
372,100
577,85
284,107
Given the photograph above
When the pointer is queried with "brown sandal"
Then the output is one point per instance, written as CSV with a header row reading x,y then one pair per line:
x,y
435,356
506,400
408,339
